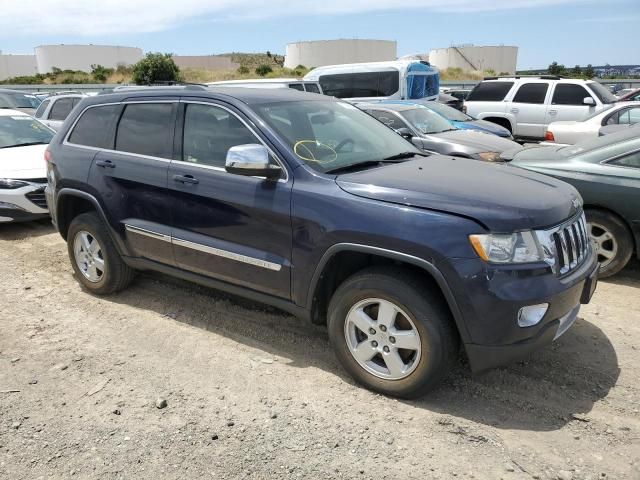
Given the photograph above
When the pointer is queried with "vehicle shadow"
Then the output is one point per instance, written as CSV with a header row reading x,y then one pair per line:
x,y
22,230
629,276
540,394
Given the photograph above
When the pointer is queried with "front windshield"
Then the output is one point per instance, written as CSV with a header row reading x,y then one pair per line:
x,y
448,112
602,93
328,135
22,130
426,121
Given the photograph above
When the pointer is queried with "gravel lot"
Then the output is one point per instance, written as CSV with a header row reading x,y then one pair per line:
x,y
255,393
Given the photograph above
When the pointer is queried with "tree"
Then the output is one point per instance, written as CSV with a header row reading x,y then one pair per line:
x,y
263,70
577,71
555,69
589,72
154,68
100,73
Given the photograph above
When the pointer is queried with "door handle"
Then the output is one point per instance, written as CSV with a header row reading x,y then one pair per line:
x,y
553,112
186,179
514,110
105,164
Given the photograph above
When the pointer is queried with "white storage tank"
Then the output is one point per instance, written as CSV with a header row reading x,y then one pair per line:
x,y
332,52
500,59
81,57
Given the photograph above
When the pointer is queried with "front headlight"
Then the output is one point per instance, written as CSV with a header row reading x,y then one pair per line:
x,y
520,247
7,183
489,156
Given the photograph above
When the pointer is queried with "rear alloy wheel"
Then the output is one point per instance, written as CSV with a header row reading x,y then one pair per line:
x,y
88,255
612,239
392,331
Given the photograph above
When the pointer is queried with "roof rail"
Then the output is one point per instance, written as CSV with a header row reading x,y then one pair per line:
x,y
190,86
542,77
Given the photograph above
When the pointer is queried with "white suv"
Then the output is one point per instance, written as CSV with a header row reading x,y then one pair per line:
x,y
526,105
55,108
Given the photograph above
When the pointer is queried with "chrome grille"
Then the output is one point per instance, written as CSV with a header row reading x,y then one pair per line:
x,y
566,247
38,198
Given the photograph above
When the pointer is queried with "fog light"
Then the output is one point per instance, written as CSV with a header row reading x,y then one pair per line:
x,y
531,315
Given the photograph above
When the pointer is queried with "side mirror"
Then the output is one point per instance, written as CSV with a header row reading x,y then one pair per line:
x,y
251,160
589,101
404,132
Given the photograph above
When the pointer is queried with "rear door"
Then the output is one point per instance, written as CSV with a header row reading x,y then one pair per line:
x,y
229,227
529,108
567,103
130,177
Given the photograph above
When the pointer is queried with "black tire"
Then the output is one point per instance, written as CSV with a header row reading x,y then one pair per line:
x,y
426,309
116,275
621,236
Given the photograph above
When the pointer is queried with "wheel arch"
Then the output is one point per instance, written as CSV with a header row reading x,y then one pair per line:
x,y
344,259
499,119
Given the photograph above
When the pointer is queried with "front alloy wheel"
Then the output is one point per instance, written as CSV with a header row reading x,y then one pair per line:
x,y
606,244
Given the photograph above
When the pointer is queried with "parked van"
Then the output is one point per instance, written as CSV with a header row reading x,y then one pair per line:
x,y
398,80
303,86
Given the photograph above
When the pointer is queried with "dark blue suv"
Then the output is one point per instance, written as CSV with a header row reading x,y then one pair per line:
x,y
306,203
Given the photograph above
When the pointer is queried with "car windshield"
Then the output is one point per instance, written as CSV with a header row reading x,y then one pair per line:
x,y
448,112
22,100
330,135
426,121
19,130
602,93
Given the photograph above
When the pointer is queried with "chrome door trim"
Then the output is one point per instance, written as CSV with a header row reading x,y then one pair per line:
x,y
276,267
147,233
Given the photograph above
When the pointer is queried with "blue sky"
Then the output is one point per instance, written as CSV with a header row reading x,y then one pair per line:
x,y
568,31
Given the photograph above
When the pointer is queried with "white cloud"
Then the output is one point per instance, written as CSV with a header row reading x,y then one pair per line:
x,y
103,17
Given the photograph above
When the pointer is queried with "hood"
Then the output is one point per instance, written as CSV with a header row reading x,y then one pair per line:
x,y
534,154
502,198
21,163
29,111
478,141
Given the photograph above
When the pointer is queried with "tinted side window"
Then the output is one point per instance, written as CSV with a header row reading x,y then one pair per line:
x,y
312,87
531,93
146,129
209,133
569,94
629,116
296,86
490,91
389,119
632,161
43,106
366,84
93,129
61,109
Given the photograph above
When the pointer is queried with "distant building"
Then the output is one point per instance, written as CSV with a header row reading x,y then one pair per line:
x,y
500,59
17,66
81,57
334,52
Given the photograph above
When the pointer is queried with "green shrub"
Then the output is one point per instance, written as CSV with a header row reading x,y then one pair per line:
x,y
154,68
263,70
100,73
243,70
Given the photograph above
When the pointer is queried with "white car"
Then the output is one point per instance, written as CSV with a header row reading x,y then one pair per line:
x,y
569,133
55,109
23,141
526,105
302,85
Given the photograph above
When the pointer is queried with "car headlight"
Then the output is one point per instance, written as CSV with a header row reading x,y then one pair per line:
x,y
489,156
520,247
7,183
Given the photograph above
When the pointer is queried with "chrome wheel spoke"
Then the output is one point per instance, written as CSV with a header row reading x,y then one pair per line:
x,y
406,339
86,244
387,313
99,264
364,352
608,254
88,256
361,320
394,363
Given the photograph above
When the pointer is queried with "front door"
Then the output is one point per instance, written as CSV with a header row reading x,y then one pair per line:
x,y
229,227
567,103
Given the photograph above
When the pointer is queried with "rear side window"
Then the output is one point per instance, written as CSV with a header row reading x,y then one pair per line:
x,y
146,129
209,133
490,91
93,127
531,93
43,106
61,109
569,94
632,161
296,86
366,84
312,87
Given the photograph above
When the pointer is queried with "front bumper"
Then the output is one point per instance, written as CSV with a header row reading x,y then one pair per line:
x,y
493,298
22,204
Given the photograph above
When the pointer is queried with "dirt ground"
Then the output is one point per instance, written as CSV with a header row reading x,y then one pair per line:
x,y
255,393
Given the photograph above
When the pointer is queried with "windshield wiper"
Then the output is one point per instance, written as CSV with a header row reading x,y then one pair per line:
x,y
357,166
403,155
26,144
